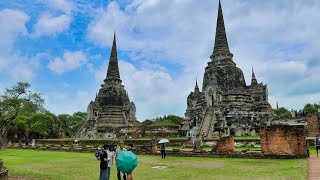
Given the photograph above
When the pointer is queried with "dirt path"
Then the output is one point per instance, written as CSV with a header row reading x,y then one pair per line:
x,y
314,167
14,177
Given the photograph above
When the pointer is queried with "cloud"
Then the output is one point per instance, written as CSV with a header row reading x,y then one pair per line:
x,y
12,23
69,61
51,25
65,101
62,5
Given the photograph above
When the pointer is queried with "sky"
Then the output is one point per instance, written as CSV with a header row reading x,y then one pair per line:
x,y
62,49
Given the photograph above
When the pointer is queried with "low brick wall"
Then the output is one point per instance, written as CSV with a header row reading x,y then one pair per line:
x,y
3,171
283,140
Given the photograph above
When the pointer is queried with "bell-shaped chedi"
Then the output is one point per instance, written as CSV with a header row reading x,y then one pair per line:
x,y
111,108
227,105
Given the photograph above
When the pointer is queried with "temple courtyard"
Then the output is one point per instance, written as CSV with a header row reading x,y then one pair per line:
x,y
73,165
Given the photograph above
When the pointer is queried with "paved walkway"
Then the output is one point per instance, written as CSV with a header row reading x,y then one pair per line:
x,y
314,167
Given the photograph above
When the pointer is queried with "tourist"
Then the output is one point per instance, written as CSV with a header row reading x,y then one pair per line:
x,y
111,156
118,151
317,142
126,136
193,138
104,163
163,150
33,142
129,175
27,141
97,154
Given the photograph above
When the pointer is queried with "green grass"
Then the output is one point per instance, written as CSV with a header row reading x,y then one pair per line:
x,y
83,166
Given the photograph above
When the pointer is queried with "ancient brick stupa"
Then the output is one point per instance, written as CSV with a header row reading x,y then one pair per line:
x,y
226,104
111,109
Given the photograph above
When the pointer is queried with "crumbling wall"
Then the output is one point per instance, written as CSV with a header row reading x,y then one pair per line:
x,y
283,140
225,145
313,126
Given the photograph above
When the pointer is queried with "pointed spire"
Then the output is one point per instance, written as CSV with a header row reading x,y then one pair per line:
x,y
277,105
221,42
196,89
113,69
253,80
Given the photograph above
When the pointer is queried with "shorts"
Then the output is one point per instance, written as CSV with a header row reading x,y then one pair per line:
x,y
317,147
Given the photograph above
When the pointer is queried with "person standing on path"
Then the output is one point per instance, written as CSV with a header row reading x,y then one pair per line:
x,y
118,151
163,150
111,156
126,136
104,163
317,142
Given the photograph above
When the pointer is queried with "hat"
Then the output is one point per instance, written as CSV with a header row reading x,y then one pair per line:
x,y
121,142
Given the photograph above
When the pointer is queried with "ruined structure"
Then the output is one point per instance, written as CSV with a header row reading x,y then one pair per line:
x,y
227,104
111,108
284,140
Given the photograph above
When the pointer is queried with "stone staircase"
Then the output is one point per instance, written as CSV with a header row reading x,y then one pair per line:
x,y
114,115
206,124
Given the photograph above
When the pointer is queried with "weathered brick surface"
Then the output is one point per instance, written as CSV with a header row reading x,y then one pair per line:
x,y
225,145
283,140
313,122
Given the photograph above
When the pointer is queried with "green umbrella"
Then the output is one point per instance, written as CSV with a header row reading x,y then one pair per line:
x,y
127,161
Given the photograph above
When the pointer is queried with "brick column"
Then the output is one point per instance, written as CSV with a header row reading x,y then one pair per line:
x,y
154,147
225,145
3,171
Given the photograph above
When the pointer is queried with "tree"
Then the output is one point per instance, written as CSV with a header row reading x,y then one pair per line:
x,y
311,108
71,123
282,112
15,101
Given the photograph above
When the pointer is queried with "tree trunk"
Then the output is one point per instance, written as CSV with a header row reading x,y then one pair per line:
x,y
3,137
1,142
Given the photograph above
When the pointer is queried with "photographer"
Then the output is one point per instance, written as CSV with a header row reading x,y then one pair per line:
x,y
104,163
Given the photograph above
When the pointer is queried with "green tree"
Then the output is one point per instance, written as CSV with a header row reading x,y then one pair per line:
x,y
311,108
71,123
282,112
15,101
41,124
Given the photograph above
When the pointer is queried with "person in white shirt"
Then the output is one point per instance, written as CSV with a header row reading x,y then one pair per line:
x,y
111,155
118,151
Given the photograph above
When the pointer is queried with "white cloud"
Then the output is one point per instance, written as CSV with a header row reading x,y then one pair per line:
x,y
69,61
66,102
51,25
63,5
12,23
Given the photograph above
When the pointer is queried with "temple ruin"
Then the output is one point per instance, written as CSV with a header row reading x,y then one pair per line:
x,y
227,105
111,110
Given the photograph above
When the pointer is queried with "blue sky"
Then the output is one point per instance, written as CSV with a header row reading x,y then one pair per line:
x,y
62,48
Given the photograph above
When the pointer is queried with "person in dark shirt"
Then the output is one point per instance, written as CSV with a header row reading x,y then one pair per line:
x,y
129,175
104,163
317,143
163,150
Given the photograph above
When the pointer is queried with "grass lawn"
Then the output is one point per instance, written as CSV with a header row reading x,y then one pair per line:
x,y
78,166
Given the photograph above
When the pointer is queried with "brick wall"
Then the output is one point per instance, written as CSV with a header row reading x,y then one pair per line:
x,y
225,145
283,140
313,125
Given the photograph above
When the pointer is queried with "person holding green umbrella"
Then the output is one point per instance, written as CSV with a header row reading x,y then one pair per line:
x,y
127,161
